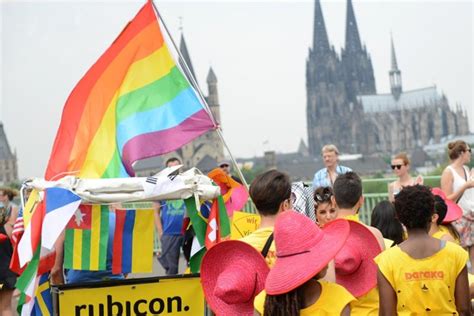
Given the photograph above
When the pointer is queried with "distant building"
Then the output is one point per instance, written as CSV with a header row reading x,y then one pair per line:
x,y
206,151
343,106
8,160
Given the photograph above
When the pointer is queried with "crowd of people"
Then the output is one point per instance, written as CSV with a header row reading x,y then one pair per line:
x,y
311,254
415,258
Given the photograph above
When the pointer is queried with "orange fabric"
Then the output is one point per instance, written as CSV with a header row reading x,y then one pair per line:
x,y
226,182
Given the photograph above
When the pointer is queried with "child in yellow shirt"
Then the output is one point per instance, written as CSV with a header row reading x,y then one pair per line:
x,y
293,286
423,274
440,210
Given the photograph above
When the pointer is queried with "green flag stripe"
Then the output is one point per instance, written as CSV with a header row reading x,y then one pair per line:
x,y
224,223
104,236
69,248
199,224
86,249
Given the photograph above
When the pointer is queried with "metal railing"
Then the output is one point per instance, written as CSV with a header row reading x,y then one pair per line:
x,y
370,199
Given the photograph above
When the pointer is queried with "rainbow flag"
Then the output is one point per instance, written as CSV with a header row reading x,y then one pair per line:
x,y
133,103
133,241
86,240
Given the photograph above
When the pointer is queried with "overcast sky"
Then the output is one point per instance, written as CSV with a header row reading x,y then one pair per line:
x,y
258,51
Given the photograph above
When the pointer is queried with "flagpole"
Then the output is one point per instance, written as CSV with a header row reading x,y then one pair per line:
x,y
193,82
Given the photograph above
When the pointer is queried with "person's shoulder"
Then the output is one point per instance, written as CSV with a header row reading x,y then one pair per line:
x,y
456,250
377,235
320,172
345,169
387,256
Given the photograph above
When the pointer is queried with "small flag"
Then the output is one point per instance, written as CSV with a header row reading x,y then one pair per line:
x,y
86,241
218,227
43,300
31,238
133,241
27,284
60,205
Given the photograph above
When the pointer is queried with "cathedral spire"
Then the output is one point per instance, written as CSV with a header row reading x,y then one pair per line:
x,y
395,74
394,57
320,36
183,48
352,32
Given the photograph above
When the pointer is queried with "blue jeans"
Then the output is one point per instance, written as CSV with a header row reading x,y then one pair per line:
x,y
170,249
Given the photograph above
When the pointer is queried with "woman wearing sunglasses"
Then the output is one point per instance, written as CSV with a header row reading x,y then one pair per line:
x,y
324,208
457,182
401,166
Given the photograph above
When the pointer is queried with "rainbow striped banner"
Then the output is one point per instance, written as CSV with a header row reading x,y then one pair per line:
x,y
133,103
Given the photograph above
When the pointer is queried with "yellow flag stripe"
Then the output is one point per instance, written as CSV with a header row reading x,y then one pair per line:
x,y
77,253
142,245
95,237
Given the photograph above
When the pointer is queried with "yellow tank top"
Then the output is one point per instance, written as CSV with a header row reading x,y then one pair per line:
x,y
258,239
354,217
445,230
367,304
424,284
332,301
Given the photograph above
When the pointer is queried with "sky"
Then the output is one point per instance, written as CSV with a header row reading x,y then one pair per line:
x,y
258,50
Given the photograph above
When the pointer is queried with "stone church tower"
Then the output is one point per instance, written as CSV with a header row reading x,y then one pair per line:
x,y
206,151
343,106
8,160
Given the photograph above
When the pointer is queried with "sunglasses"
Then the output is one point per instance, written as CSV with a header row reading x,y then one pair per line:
x,y
323,197
396,167
224,166
469,150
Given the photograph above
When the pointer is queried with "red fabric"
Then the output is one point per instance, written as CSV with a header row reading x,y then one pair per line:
x,y
118,238
85,222
213,217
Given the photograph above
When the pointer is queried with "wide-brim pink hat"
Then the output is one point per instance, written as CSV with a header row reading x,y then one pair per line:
x,y
356,269
302,250
232,274
454,211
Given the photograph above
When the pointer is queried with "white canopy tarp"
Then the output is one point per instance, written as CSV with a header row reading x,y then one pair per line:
x,y
166,185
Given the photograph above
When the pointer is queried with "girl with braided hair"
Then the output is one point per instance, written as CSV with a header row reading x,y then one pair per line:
x,y
303,250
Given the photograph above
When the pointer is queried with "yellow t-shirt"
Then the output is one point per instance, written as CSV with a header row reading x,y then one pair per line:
x,y
424,284
439,234
332,300
258,238
354,217
445,230
388,243
367,304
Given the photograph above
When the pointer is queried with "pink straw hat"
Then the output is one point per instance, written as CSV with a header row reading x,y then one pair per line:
x,y
454,211
355,266
303,250
232,274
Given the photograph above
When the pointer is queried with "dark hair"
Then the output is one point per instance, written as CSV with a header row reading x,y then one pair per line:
x,y
172,159
415,206
456,148
440,208
347,189
9,193
385,219
287,304
322,195
268,190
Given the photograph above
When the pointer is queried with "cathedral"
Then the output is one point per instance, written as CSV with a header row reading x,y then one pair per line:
x,y
343,106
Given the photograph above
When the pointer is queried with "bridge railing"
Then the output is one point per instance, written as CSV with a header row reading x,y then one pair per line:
x,y
375,191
